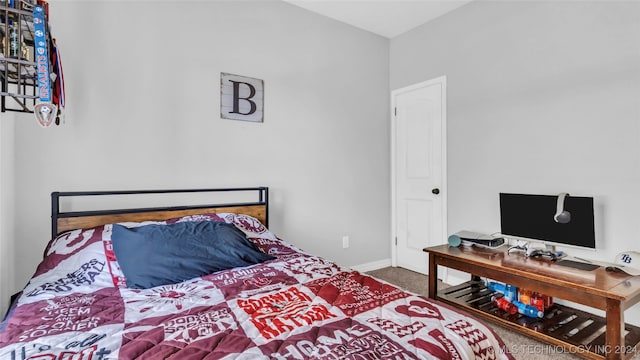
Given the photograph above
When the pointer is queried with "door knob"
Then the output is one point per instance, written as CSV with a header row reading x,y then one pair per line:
x,y
435,191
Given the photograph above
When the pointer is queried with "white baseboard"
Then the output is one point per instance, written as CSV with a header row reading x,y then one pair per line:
x,y
374,265
453,277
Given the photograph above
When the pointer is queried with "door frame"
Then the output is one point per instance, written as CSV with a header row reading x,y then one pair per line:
x,y
442,81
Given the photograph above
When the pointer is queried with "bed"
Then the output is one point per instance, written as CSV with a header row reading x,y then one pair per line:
x,y
161,283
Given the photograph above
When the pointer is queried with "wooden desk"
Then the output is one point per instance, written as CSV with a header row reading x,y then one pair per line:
x,y
577,331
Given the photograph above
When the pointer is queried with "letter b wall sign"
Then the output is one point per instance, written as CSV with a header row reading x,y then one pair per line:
x,y
241,98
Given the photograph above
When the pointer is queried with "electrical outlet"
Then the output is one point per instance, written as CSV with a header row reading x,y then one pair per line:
x,y
345,242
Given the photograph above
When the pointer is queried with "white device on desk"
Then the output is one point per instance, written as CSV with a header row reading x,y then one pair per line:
x,y
470,238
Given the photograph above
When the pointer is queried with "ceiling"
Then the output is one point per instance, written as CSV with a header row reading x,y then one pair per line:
x,y
388,18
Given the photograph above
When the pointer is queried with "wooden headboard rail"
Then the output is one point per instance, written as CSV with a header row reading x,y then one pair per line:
x,y
71,220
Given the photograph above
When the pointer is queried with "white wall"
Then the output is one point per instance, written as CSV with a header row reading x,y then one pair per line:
x,y
6,209
543,97
142,82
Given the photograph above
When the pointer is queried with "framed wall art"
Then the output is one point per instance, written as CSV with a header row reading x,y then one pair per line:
x,y
241,98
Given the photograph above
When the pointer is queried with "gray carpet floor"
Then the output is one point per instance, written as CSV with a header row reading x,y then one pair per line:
x,y
520,346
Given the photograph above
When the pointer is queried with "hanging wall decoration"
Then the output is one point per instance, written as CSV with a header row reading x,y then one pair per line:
x,y
45,111
241,98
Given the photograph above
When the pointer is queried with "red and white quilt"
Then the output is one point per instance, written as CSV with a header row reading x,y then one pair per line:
x,y
298,306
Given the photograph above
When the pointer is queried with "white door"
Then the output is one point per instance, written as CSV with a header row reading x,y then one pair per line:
x,y
418,140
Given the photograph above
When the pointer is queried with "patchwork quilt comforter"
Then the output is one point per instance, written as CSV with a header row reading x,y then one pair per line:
x,y
297,306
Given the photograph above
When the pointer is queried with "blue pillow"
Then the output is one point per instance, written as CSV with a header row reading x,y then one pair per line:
x,y
154,255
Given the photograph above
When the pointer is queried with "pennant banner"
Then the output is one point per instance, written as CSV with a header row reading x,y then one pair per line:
x,y
45,111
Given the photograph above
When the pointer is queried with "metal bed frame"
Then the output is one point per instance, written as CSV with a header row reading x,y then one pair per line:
x,y
57,215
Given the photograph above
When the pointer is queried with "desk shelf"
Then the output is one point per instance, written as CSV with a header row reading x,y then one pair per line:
x,y
583,331
578,332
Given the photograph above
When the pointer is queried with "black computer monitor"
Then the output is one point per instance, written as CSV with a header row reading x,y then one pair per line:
x,y
532,217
